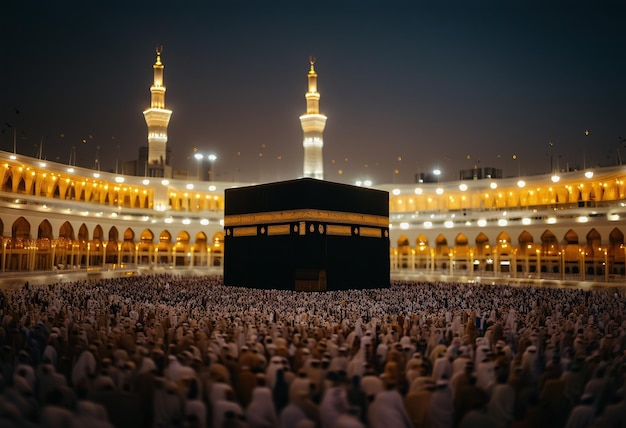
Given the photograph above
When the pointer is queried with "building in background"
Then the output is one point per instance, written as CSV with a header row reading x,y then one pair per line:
x,y
313,124
157,118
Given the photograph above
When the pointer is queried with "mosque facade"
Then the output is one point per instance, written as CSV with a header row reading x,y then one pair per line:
x,y
55,217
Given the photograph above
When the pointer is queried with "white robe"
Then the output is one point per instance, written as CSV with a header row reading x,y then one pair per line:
x,y
260,412
387,410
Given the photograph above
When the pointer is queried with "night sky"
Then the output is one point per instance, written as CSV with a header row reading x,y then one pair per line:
x,y
407,86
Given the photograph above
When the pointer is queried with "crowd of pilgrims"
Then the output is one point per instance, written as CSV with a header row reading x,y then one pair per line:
x,y
173,351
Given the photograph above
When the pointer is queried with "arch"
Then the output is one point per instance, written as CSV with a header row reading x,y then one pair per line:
x,y
44,231
66,231
201,237
21,229
503,242
525,241
503,237
403,241
165,237
164,247
404,249
8,185
129,235
441,245
201,241
83,233
421,240
183,237
570,237
594,262
617,252
146,236
461,240
549,244
21,185
616,237
114,235
218,239
482,245
98,233
594,243
217,248
461,248
572,251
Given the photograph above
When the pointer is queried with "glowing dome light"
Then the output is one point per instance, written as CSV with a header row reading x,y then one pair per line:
x,y
212,188
204,222
186,221
395,192
582,219
449,224
165,182
526,221
189,186
439,191
589,174
463,187
119,179
418,191
502,222
482,222
521,183
551,220
145,182
493,185
555,178
428,224
404,225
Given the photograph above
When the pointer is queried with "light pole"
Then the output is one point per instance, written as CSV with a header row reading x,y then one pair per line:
x,y
199,158
437,173
212,159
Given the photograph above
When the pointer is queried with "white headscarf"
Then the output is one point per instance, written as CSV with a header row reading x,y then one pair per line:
x,y
387,410
260,412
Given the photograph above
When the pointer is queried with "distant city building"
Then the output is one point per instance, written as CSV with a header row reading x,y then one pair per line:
x,y
313,124
480,173
157,118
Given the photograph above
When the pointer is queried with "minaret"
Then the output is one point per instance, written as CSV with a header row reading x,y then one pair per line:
x,y
313,124
157,118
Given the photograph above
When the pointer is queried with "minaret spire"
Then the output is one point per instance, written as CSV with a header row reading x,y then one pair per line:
x,y
313,124
157,118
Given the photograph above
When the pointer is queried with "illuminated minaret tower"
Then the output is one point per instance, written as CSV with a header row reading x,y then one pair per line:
x,y
157,118
313,124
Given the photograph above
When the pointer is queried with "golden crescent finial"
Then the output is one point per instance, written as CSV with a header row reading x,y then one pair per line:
x,y
312,62
159,49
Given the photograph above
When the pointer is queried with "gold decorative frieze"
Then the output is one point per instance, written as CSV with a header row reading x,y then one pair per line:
x,y
371,232
306,215
278,229
334,229
245,231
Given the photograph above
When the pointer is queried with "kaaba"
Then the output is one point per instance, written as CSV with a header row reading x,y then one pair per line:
x,y
306,235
